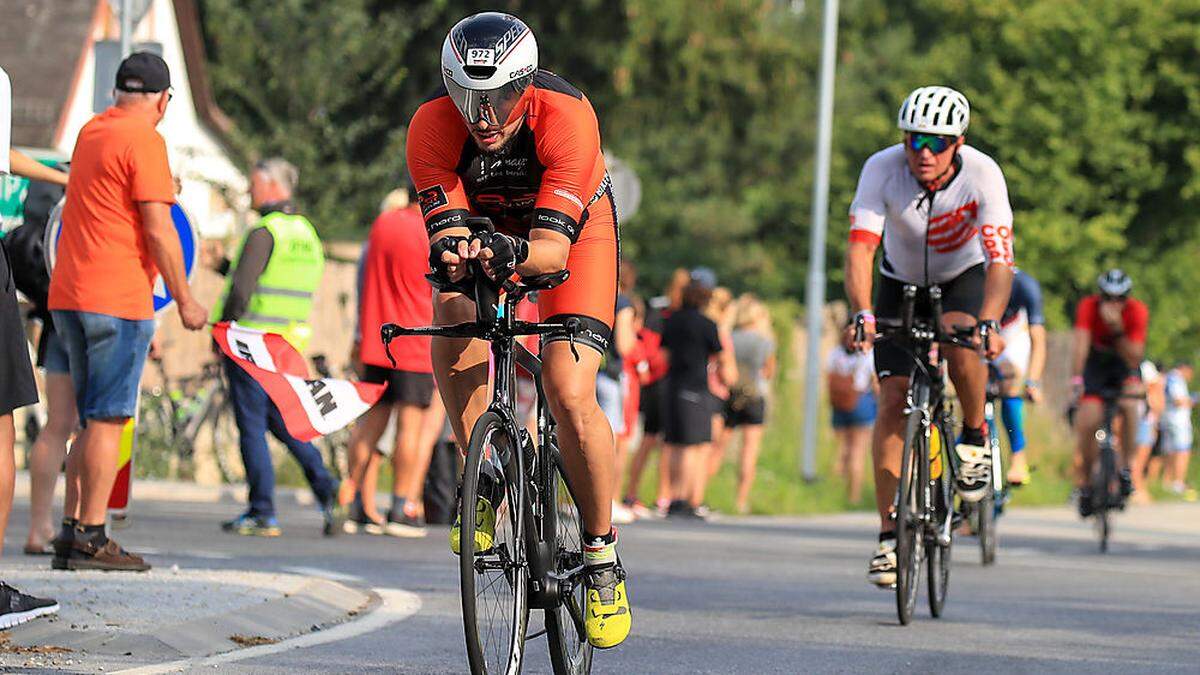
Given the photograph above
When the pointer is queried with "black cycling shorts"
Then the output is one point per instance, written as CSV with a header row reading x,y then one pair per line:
x,y
963,293
1106,372
403,387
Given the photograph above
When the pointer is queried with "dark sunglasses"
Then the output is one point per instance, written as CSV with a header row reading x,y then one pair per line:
x,y
1105,297
936,143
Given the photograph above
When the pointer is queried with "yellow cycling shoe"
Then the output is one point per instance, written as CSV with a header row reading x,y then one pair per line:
x,y
607,619
485,528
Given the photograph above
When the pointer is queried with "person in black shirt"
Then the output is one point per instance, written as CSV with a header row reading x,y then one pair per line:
x,y
689,340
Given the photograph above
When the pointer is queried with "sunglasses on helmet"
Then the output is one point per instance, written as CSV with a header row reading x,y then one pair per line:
x,y
936,143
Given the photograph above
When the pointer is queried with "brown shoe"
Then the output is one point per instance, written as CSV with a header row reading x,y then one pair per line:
x,y
85,555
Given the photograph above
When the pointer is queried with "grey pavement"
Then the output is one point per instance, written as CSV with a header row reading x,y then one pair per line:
x,y
753,595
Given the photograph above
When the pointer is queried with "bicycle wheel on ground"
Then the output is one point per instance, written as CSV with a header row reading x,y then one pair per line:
x,y
570,651
493,575
909,509
1102,485
938,550
986,527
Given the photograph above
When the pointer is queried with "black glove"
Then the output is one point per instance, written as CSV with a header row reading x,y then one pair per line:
x,y
507,252
436,249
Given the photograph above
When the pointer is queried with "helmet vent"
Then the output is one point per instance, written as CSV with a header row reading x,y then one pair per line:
x,y
479,72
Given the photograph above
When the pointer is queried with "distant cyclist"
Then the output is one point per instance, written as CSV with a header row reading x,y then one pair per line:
x,y
1024,329
521,146
940,209
1110,342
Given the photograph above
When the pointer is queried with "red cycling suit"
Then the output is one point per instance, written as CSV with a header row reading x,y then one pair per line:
x,y
551,175
1105,369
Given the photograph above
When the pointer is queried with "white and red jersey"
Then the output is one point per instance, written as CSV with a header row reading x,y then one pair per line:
x,y
967,222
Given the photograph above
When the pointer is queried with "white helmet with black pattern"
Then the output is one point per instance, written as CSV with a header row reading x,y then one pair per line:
x,y
488,62
935,110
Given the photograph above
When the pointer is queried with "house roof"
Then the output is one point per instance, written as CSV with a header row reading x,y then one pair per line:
x,y
44,62
43,43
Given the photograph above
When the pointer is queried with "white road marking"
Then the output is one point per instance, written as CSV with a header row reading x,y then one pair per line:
x,y
321,573
396,605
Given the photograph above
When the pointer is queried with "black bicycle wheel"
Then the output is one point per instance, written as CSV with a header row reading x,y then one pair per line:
x,y
570,651
938,551
1105,476
909,508
223,436
493,578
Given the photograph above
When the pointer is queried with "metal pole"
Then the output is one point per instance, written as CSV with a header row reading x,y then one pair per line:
x,y
126,27
815,297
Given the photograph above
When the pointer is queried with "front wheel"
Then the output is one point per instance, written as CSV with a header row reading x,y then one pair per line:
x,y
493,572
942,508
910,501
570,651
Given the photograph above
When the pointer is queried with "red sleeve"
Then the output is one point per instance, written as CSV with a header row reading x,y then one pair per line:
x,y
1085,314
435,140
149,170
1137,321
568,145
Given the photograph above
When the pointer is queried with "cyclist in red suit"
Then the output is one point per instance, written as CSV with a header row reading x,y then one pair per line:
x,y
522,147
1110,343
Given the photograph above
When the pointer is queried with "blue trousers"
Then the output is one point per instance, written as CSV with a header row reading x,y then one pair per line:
x,y
256,415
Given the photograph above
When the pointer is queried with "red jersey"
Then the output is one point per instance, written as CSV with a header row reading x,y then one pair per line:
x,y
395,290
1135,318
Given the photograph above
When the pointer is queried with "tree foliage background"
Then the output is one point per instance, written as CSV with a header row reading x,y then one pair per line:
x,y
1092,109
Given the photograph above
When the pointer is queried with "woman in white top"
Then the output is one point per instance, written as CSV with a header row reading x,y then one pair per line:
x,y
851,377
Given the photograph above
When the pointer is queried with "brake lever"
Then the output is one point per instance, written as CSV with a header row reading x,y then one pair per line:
x,y
573,327
387,333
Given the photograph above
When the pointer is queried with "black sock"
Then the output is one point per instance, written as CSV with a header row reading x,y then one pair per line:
x,y
884,536
601,540
93,533
398,506
974,436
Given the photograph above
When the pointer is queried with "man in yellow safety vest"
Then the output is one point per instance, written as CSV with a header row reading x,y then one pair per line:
x,y
270,285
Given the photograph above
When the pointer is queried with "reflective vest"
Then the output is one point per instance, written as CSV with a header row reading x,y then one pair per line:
x,y
282,301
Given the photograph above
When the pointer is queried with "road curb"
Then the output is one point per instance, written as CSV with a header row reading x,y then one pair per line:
x,y
316,605
181,491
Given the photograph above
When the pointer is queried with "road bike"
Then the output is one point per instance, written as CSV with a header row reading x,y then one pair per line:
x,y
185,413
535,559
1108,487
924,507
982,515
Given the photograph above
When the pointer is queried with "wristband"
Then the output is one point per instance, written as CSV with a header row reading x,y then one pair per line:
x,y
1076,379
864,316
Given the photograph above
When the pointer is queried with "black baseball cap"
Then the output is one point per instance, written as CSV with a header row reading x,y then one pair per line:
x,y
143,72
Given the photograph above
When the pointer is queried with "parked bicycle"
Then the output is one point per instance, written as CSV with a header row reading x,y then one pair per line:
x,y
924,508
535,558
188,413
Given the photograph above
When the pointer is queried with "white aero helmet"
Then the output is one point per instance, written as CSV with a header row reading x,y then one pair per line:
x,y
488,61
935,110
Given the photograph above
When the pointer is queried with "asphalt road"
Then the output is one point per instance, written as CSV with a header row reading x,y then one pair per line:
x,y
755,596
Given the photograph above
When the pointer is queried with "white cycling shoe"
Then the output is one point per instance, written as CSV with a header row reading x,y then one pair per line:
x,y
974,475
882,571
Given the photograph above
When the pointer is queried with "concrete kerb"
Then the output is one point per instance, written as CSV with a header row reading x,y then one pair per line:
x,y
179,491
298,605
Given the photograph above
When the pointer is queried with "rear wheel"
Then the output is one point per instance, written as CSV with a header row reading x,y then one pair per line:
x,y
493,576
570,651
909,507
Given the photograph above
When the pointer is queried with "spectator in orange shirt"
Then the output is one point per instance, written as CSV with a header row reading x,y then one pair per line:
x,y
117,235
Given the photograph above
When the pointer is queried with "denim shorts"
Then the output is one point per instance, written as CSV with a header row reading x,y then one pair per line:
x,y
106,355
54,357
863,414
608,395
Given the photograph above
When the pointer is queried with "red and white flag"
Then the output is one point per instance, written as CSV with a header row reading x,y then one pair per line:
x,y
310,408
